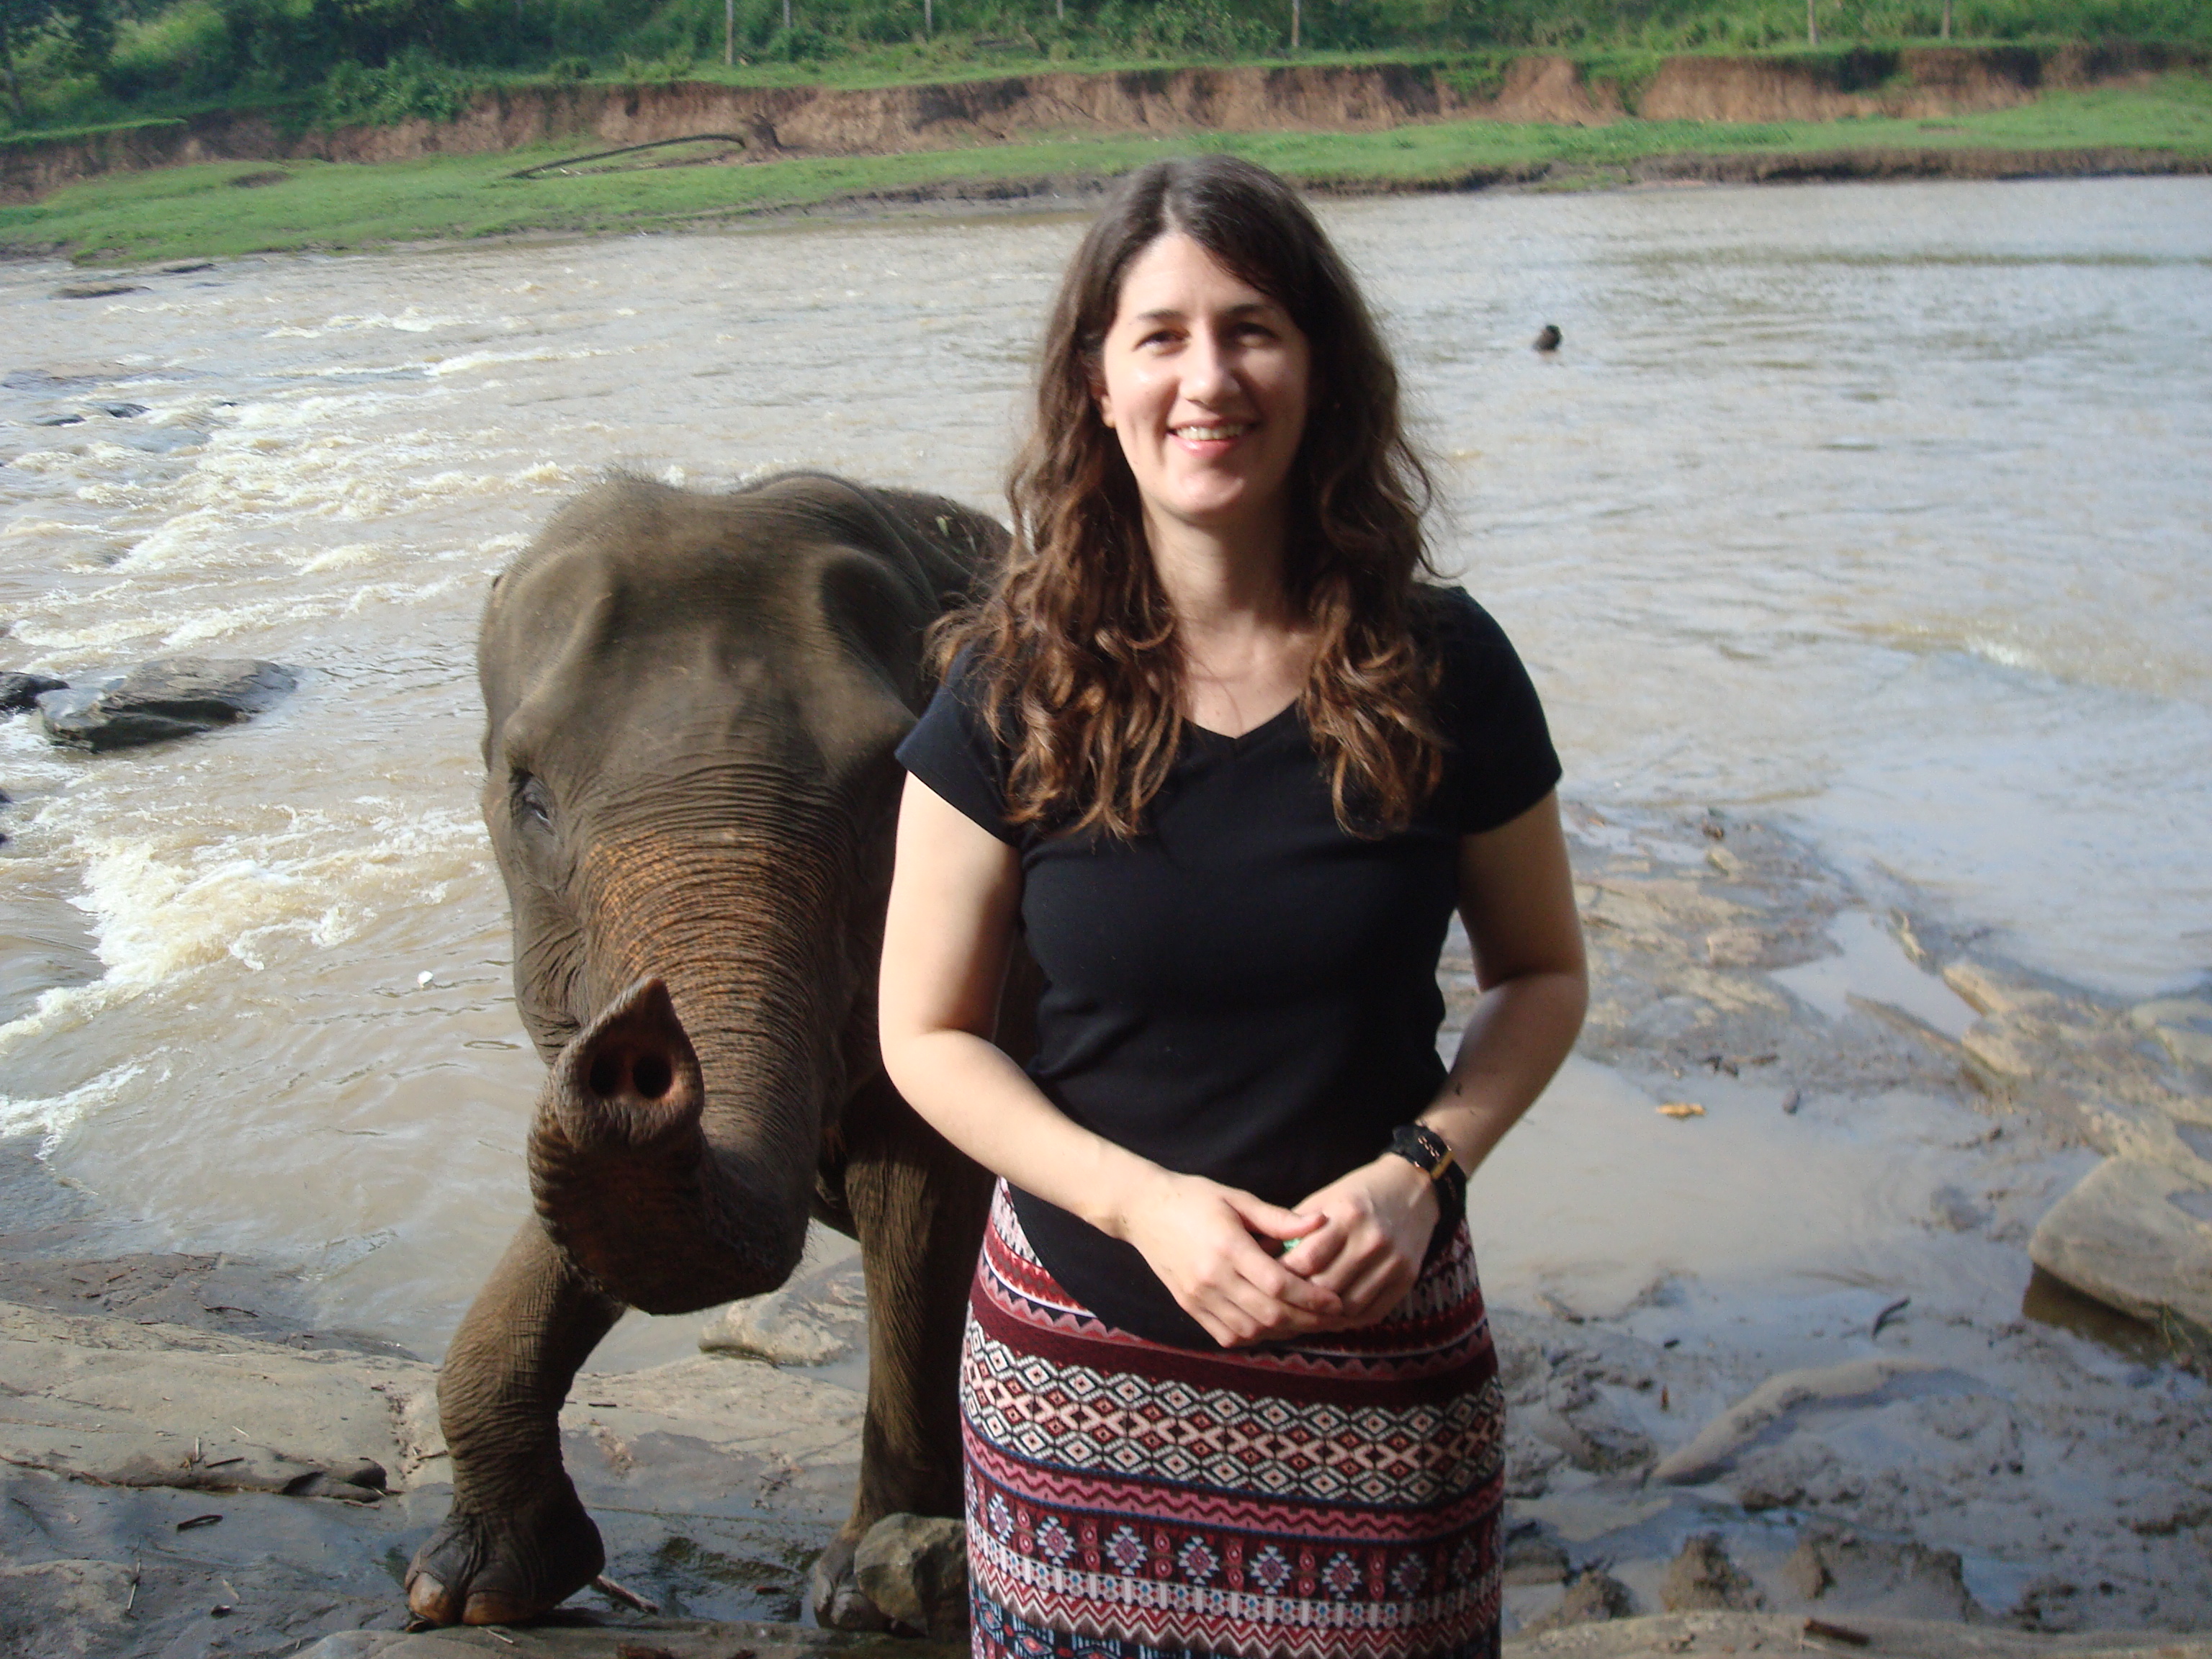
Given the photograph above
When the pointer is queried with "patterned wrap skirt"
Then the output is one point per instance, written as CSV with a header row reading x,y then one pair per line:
x,y
1334,1499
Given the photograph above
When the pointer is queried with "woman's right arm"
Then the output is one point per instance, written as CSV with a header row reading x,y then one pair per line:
x,y
955,893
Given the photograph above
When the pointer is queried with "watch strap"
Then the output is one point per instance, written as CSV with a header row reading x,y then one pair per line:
x,y
1428,1152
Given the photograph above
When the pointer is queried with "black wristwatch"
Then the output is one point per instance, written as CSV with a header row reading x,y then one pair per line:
x,y
1428,1152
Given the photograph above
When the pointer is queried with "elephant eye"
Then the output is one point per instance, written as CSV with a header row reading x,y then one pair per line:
x,y
533,800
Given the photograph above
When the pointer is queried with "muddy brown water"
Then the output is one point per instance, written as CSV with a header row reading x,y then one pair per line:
x,y
1879,511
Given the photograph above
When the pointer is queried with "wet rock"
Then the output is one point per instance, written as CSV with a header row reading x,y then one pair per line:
x,y
1591,1599
1952,1209
1702,1578
120,1404
1848,1573
914,1568
96,290
174,697
2182,1024
2130,1236
632,1638
1746,1422
122,411
21,691
59,1608
59,420
1533,1556
2049,1603
186,267
819,1316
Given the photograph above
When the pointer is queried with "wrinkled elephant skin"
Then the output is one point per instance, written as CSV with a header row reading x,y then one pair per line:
x,y
692,702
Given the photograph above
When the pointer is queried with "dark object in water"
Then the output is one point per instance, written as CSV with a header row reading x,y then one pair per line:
x,y
171,698
1837,1632
96,290
1550,338
20,691
185,267
122,411
59,420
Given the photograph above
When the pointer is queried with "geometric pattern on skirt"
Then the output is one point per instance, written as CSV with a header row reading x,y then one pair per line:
x,y
1334,1499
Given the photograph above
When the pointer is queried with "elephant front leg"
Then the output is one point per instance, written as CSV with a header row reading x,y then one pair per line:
x,y
518,1540
919,1207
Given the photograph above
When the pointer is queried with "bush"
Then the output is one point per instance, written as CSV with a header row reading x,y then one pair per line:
x,y
413,86
183,50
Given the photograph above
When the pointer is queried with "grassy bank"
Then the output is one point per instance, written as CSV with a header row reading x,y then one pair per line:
x,y
200,211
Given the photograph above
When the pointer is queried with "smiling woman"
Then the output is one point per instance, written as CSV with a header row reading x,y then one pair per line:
x,y
1229,768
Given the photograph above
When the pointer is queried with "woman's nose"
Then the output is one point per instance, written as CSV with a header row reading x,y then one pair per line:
x,y
1208,374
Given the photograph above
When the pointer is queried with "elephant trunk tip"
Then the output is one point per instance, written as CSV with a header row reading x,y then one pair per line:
x,y
631,1078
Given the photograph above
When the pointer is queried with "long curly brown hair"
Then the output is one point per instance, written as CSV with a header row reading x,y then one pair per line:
x,y
1074,647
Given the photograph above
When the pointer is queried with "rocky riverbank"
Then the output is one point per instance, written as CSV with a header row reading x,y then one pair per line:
x,y
1754,1411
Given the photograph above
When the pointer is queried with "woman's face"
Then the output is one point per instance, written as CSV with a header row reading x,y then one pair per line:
x,y
1204,380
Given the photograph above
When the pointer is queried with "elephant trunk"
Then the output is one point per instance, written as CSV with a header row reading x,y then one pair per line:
x,y
660,1212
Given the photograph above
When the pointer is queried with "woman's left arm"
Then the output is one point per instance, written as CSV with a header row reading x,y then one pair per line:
x,y
1516,896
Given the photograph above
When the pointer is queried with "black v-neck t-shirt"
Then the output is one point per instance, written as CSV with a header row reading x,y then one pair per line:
x,y
1244,991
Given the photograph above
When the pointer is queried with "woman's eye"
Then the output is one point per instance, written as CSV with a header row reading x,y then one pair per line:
x,y
533,800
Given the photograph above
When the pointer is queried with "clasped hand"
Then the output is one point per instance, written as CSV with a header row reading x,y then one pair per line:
x,y
1355,1247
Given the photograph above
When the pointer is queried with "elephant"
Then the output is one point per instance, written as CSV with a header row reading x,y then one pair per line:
x,y
691,706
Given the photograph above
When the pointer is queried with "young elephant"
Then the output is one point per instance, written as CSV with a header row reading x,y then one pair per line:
x,y
692,702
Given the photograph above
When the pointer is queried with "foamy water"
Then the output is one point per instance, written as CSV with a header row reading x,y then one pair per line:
x,y
1878,510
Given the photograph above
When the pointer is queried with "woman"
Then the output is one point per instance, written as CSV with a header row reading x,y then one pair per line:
x,y
1225,768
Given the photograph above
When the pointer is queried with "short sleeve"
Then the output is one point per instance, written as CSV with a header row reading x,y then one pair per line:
x,y
952,749
1501,761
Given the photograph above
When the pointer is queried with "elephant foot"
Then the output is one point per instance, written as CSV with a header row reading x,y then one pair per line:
x,y
839,1602
486,1570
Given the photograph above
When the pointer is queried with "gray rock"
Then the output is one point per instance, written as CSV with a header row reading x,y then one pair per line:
x,y
174,697
819,1316
1702,1578
2127,1236
1533,1557
2183,1025
1591,1599
63,1606
914,1567
96,290
1847,1573
118,1404
20,691
1771,1404
59,420
122,411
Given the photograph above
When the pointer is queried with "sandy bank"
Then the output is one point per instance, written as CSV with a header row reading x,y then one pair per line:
x,y
781,122
1777,1357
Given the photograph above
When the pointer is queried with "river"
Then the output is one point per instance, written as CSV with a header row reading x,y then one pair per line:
x,y
1880,512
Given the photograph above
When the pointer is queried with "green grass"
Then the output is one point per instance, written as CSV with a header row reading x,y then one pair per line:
x,y
194,211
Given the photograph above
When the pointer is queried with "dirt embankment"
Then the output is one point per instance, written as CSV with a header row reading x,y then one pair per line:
x,y
818,121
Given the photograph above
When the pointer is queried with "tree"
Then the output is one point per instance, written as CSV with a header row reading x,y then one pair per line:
x,y
90,29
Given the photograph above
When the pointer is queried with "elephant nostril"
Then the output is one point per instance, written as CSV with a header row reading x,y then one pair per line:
x,y
652,1074
606,1075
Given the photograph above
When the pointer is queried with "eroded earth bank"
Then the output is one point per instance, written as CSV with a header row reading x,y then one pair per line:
x,y
1760,1271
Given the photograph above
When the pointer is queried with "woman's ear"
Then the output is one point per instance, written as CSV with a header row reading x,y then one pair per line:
x,y
1095,383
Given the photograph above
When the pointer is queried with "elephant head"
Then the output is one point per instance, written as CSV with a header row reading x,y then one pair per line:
x,y
692,704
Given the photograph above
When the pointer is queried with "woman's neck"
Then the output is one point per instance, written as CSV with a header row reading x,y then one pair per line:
x,y
1220,581
1245,651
